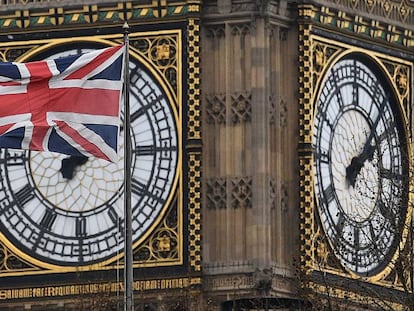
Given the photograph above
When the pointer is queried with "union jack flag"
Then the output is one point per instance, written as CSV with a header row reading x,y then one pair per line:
x,y
68,105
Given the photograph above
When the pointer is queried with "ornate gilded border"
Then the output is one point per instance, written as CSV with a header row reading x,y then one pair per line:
x,y
398,10
34,18
367,27
194,144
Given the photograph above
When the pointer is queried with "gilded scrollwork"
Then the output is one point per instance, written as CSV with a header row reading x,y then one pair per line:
x,y
9,262
20,15
10,54
161,52
163,243
322,53
321,249
400,74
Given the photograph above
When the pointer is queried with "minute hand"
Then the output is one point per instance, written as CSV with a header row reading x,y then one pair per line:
x,y
368,150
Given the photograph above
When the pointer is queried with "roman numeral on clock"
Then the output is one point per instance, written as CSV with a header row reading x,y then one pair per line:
x,y
390,174
329,194
138,187
115,218
141,189
48,219
81,226
145,150
323,156
25,194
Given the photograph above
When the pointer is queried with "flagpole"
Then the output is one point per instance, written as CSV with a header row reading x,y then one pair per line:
x,y
128,267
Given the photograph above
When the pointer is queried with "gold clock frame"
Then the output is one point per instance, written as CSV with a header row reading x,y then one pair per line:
x,y
316,56
16,263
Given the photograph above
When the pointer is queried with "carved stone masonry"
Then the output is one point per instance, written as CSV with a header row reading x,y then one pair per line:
x,y
241,29
241,107
216,108
284,197
216,193
272,109
215,31
272,193
283,113
241,192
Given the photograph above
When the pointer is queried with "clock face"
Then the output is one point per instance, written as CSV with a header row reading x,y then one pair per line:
x,y
359,166
69,211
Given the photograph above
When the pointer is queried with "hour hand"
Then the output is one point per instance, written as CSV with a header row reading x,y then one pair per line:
x,y
357,163
353,170
69,165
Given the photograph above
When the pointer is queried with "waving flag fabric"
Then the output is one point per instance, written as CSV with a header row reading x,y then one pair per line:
x,y
68,105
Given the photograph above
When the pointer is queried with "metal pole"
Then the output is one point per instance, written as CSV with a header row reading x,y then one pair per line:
x,y
128,267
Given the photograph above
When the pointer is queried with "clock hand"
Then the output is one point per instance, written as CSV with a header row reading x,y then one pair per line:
x,y
69,165
367,153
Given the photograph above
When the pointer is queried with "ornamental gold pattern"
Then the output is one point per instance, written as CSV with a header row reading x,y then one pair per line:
x,y
10,262
305,114
194,118
9,54
161,52
194,196
194,147
23,17
164,244
366,26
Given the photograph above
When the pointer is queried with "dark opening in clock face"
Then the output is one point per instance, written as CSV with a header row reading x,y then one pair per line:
x,y
359,166
70,211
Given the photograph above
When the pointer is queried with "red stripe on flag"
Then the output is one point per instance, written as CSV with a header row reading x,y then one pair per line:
x,y
38,96
86,144
5,128
88,101
10,83
97,61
